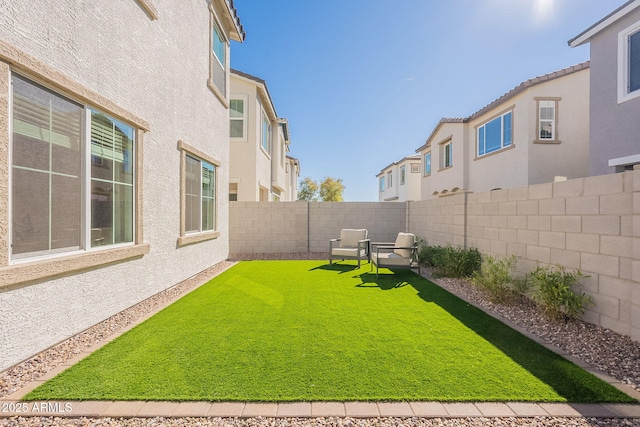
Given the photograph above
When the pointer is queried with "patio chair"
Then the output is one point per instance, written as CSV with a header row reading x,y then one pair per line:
x,y
352,244
402,253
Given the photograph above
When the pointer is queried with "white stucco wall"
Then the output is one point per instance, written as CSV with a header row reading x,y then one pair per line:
x,y
157,70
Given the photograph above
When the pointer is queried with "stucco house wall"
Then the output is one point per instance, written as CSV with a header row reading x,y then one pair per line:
x,y
258,173
118,65
614,128
527,160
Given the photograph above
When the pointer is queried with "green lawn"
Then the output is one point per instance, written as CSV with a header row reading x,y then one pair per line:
x,y
307,331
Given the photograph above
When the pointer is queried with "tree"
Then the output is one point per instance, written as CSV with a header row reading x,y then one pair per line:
x,y
331,190
308,190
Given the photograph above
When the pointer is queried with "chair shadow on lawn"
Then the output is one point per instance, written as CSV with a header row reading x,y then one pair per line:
x,y
341,268
560,374
385,282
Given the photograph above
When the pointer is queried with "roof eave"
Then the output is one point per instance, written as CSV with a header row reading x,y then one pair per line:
x,y
585,36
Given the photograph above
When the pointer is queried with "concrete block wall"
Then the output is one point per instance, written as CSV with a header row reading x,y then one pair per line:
x,y
589,224
295,227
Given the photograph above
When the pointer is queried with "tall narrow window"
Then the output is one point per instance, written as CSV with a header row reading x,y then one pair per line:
x,y
427,164
446,159
111,180
237,118
389,179
54,160
266,133
218,61
381,184
634,62
403,171
547,120
199,195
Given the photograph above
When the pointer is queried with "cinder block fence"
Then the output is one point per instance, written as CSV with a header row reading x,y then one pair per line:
x,y
591,224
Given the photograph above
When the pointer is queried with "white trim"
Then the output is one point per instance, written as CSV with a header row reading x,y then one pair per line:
x,y
627,160
623,64
586,36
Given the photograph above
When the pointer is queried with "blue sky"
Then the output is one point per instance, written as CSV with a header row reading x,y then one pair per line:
x,y
364,82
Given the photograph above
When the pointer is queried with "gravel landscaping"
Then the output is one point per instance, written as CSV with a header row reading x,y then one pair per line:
x,y
615,354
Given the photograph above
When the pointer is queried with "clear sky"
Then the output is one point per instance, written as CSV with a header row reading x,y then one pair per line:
x,y
364,82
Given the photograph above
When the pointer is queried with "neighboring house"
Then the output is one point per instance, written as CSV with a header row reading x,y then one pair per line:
x,y
114,158
259,143
615,89
400,181
292,170
535,133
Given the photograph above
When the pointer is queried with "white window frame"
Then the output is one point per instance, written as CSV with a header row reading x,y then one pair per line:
x,y
554,134
266,142
623,64
86,178
381,184
503,144
220,92
415,167
245,101
389,179
190,237
446,155
403,174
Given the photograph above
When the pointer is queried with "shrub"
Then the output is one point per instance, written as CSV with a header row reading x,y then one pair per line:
x,y
496,277
450,261
552,290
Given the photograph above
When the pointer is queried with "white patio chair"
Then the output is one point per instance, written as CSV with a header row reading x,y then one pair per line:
x,y
402,253
352,244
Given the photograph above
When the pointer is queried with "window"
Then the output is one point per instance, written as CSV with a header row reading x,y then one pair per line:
x,y
218,59
427,164
446,154
266,133
495,135
629,63
389,179
71,189
415,167
237,118
547,120
198,195
402,174
233,192
381,184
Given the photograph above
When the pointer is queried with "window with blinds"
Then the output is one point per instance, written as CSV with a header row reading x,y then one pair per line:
x,y
57,166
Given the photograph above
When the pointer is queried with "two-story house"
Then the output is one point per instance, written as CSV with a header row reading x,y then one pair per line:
x,y
259,143
400,181
614,132
114,158
535,133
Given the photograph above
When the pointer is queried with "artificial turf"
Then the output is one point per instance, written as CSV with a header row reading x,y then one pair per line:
x,y
307,331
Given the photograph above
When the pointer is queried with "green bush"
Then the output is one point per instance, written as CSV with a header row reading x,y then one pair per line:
x,y
450,261
552,290
496,277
